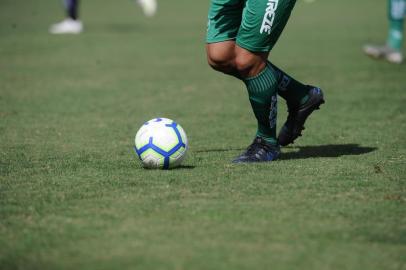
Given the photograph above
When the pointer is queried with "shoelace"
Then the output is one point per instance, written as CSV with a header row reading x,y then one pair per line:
x,y
256,146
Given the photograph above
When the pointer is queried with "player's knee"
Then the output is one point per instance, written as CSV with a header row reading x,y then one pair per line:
x,y
220,57
243,63
248,64
219,62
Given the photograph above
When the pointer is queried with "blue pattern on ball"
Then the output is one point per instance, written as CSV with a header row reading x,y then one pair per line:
x,y
165,154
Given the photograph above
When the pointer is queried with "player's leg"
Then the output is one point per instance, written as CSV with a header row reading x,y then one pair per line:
x,y
224,21
301,100
221,57
72,9
261,25
260,80
396,13
391,51
72,24
224,55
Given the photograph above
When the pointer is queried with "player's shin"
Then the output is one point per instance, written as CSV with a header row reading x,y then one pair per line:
x,y
397,10
395,36
262,90
293,91
72,7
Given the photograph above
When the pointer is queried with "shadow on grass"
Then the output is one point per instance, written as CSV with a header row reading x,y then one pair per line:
x,y
314,151
218,150
181,167
185,167
329,150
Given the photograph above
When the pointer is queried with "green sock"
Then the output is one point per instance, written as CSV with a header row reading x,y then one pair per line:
x,y
294,92
262,91
396,10
395,36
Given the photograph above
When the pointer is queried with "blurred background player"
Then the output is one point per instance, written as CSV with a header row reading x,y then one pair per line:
x,y
392,50
72,24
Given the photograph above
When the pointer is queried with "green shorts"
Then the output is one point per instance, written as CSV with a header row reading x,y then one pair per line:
x,y
255,25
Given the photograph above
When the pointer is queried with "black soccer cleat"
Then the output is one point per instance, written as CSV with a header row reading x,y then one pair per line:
x,y
297,116
259,151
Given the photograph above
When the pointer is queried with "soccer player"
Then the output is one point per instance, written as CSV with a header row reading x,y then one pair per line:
x,y
392,50
240,36
72,24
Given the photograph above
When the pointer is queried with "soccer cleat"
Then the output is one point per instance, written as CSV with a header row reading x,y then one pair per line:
x,y
67,26
149,7
259,151
384,52
297,116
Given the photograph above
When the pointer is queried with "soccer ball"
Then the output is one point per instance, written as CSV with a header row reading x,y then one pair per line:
x,y
161,143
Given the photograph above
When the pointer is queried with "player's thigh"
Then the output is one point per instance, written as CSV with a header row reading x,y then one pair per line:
x,y
224,20
262,23
397,9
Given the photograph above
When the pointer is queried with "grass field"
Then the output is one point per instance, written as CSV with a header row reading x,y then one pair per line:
x,y
73,195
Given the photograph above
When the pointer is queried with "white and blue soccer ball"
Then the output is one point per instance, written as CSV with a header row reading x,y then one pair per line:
x,y
161,143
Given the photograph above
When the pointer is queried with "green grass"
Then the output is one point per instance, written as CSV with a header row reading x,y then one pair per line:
x,y
73,195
